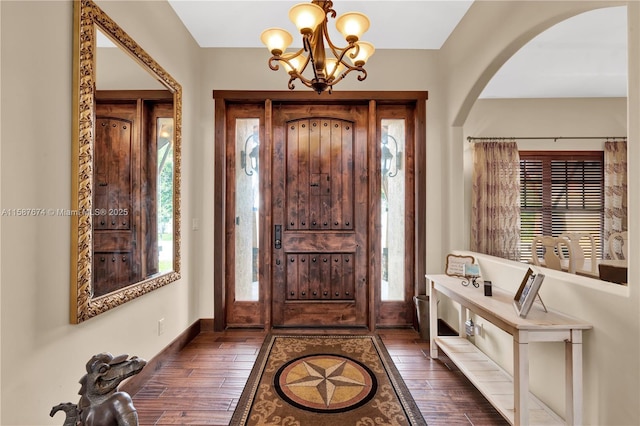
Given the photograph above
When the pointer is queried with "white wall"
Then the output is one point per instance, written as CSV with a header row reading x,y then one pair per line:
x,y
43,355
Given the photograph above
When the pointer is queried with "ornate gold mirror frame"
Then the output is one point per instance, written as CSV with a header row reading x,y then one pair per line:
x,y
88,16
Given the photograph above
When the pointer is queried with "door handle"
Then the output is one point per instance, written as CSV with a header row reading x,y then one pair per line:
x,y
277,243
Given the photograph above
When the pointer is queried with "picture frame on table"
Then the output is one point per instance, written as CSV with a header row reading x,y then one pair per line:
x,y
527,292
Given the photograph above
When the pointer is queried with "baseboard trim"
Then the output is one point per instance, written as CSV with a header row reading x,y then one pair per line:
x,y
206,324
135,383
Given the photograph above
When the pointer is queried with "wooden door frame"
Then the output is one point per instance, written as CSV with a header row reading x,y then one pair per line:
x,y
223,98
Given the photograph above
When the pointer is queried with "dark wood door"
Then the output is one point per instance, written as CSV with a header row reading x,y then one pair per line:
x,y
124,216
320,216
116,260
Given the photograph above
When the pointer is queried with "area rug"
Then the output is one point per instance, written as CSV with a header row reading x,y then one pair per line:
x,y
325,380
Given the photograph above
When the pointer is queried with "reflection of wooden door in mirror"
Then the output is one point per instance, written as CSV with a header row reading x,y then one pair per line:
x,y
116,260
125,192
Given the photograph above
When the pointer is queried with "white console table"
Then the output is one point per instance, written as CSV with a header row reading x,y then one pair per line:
x,y
510,395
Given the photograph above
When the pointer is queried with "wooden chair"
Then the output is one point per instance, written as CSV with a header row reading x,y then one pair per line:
x,y
551,248
576,259
618,245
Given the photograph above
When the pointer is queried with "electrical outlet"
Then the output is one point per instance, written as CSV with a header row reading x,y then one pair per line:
x,y
160,326
478,330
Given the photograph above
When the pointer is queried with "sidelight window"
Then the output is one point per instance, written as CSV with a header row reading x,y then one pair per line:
x,y
392,218
247,209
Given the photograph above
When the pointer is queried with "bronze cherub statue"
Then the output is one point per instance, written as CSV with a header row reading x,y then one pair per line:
x,y
101,404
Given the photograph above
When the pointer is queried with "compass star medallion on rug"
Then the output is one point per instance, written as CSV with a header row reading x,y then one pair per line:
x,y
325,380
325,383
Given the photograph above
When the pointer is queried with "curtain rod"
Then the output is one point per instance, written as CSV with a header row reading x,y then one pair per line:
x,y
554,138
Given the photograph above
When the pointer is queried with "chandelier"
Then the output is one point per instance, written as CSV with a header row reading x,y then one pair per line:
x,y
328,62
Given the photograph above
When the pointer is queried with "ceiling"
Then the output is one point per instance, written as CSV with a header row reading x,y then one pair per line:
x,y
584,56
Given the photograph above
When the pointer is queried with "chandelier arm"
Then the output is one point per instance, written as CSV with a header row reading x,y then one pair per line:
x,y
308,46
292,55
307,82
273,63
338,78
300,69
345,73
274,66
341,53
355,53
348,69
332,46
295,74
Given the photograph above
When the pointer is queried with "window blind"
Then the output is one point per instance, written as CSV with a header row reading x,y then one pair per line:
x,y
561,192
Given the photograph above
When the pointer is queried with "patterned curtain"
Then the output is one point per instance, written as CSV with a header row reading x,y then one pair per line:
x,y
495,205
615,189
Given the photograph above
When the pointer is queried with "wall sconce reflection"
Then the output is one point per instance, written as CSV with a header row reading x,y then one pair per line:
x,y
165,140
252,151
389,152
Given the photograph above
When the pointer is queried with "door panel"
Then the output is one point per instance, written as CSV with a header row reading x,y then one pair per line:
x,y
320,193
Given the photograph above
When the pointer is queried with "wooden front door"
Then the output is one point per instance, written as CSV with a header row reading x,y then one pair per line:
x,y
320,216
302,186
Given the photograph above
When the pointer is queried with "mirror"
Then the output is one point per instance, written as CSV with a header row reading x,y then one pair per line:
x,y
125,211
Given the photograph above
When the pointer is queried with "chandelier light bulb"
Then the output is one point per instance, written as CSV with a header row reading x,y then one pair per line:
x,y
352,25
333,67
296,63
366,50
276,39
306,17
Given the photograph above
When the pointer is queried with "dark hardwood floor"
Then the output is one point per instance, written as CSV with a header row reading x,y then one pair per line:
x,y
202,383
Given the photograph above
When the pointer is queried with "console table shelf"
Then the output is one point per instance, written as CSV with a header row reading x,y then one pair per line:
x,y
492,381
510,395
